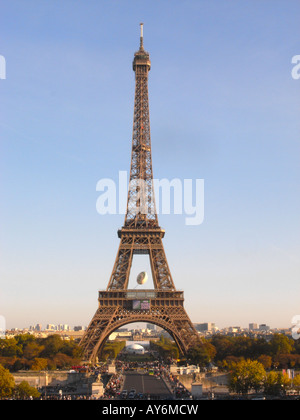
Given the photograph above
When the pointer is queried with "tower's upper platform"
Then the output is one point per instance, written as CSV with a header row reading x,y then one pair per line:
x,y
141,57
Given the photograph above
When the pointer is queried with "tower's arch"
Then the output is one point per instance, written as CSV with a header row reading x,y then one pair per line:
x,y
165,324
118,308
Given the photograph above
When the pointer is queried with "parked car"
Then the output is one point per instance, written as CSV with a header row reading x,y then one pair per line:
x,y
132,394
124,394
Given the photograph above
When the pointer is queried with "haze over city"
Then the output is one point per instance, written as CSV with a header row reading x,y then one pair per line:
x,y
224,108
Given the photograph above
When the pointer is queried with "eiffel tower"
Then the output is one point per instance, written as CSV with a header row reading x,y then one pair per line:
x,y
140,234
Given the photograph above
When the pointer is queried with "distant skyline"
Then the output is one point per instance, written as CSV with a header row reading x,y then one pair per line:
x,y
135,325
224,108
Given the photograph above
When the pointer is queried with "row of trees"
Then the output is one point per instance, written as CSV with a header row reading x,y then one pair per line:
x,y
250,376
279,352
112,349
25,351
52,352
165,347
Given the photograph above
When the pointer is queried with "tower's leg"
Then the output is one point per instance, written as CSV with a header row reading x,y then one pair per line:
x,y
121,271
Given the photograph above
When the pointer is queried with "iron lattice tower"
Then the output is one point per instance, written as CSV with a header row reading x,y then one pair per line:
x,y
140,234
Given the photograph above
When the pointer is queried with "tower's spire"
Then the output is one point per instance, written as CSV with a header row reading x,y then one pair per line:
x,y
141,37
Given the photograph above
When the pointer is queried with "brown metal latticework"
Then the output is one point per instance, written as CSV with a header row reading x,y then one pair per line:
x,y
141,234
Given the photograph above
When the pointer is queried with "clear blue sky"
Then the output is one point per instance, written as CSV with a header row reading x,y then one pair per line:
x,y
223,108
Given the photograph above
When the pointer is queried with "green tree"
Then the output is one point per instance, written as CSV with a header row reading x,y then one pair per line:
x,y
25,391
162,340
286,361
39,364
281,344
265,360
242,347
31,350
71,348
224,347
276,383
231,361
166,348
202,354
112,349
296,382
9,347
259,346
7,383
173,352
297,346
53,345
107,353
63,361
23,339
245,376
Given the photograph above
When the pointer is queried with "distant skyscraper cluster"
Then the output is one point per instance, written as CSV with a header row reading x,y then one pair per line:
x,y
53,327
211,327
256,327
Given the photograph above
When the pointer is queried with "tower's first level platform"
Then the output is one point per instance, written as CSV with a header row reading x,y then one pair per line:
x,y
140,300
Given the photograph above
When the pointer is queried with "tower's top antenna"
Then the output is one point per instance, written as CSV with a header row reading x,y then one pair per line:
x,y
142,36
141,57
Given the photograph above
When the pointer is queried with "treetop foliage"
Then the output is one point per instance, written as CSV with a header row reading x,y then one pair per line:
x,y
25,351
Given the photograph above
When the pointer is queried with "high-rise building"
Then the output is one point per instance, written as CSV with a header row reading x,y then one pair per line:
x,y
253,327
50,327
234,329
151,327
205,327
63,327
264,327
78,328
